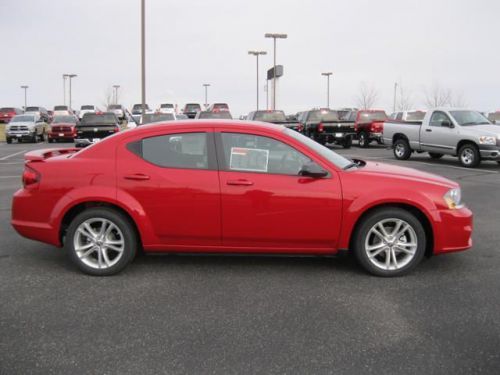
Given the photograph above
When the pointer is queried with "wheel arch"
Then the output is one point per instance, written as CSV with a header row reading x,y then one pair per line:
x,y
398,136
464,142
416,211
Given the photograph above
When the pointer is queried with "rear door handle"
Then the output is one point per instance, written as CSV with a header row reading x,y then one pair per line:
x,y
239,182
428,130
136,177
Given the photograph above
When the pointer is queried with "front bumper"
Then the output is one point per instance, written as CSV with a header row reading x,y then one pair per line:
x,y
452,230
20,134
489,152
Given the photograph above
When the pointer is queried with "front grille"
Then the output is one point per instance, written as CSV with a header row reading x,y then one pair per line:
x,y
61,129
18,128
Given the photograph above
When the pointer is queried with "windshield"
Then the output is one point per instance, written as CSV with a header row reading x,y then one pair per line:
x,y
23,118
60,108
270,116
372,116
157,117
87,107
114,106
323,116
328,154
105,119
215,115
415,116
61,119
32,109
467,118
192,107
167,106
7,109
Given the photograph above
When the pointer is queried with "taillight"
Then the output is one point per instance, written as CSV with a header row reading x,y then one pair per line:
x,y
31,178
300,127
116,129
321,127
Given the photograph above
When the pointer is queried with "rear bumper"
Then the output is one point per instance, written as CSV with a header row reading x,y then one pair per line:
x,y
453,230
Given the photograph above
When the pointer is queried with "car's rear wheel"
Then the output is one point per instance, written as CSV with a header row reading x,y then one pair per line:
x,y
469,156
363,140
390,242
8,140
434,155
402,150
101,241
347,143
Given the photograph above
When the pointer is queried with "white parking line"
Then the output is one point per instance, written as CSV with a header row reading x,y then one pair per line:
x,y
10,176
11,155
445,165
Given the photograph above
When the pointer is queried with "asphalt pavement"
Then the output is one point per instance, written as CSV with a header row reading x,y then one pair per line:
x,y
254,315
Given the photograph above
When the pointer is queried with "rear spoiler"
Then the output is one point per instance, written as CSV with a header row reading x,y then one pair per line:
x,y
41,155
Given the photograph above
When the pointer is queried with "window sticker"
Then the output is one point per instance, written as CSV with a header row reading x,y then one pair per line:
x,y
249,159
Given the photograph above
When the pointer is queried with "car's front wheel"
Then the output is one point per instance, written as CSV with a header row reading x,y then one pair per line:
x,y
389,242
101,241
469,155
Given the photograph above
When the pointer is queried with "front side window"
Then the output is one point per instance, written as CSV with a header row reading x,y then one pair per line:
x,y
438,118
184,150
254,153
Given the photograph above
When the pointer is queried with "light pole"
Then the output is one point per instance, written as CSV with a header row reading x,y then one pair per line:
x,y
256,54
25,88
327,75
64,76
116,87
206,85
70,76
267,93
143,56
275,36
395,94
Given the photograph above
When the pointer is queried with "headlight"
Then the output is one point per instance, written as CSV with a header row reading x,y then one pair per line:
x,y
487,140
453,198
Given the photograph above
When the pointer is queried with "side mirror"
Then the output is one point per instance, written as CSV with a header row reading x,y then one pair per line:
x,y
447,124
313,170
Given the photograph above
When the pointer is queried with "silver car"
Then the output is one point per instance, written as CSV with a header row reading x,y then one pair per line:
x,y
26,127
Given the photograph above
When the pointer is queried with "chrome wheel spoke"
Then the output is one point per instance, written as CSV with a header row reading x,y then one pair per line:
x,y
115,248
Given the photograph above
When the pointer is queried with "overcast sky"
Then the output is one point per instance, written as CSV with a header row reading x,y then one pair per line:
x,y
454,44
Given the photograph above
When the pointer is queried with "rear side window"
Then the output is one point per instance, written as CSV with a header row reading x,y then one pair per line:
x,y
183,150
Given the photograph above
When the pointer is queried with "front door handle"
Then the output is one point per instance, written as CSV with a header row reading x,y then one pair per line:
x,y
428,130
239,183
136,177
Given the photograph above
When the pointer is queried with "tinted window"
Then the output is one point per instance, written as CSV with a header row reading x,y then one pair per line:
x,y
156,117
32,109
185,150
399,116
62,119
87,107
192,107
60,108
215,115
269,116
322,116
23,118
7,109
438,118
253,153
167,106
105,119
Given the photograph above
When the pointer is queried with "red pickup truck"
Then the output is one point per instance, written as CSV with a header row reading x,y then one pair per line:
x,y
369,125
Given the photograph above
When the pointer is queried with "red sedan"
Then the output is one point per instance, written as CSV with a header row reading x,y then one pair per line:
x,y
233,187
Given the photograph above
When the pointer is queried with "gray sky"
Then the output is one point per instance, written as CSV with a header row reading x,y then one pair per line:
x,y
419,43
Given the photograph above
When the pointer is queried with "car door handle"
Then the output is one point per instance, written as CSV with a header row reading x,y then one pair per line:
x,y
136,177
428,130
239,182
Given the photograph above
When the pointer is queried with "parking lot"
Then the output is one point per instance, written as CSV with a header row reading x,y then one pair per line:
x,y
215,314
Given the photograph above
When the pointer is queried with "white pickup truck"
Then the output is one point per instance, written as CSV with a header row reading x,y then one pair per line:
x,y
463,133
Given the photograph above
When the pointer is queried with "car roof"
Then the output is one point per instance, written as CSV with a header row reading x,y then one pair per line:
x,y
215,123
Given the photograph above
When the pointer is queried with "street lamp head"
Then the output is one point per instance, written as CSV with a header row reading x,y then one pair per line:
x,y
206,84
276,35
72,75
256,53
24,87
327,74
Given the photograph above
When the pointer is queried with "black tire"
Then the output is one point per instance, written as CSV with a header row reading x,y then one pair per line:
x,y
401,149
363,230
8,140
128,235
434,155
498,161
364,141
469,156
50,140
347,142
34,138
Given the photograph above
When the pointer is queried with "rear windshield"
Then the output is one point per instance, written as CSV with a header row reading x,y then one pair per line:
x,y
373,116
270,116
167,106
32,109
23,118
60,108
61,119
323,116
114,106
192,107
84,107
415,116
7,109
215,115
221,106
139,106
157,117
104,119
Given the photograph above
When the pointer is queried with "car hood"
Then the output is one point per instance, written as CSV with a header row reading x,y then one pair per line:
x,y
63,124
491,129
22,123
403,173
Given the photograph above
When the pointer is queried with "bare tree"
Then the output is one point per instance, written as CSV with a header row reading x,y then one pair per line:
x,y
437,96
405,99
458,100
109,97
367,96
